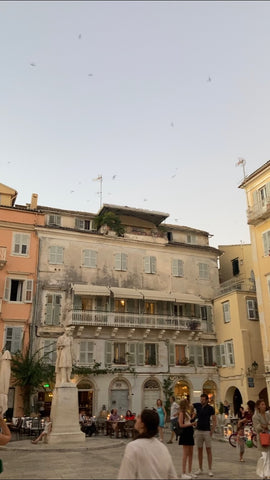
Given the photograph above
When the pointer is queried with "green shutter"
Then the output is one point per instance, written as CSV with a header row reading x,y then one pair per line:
x,y
132,353
108,353
77,302
172,354
199,355
7,289
140,353
217,355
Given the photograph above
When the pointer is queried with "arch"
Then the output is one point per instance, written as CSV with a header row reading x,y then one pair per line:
x,y
264,395
182,389
210,388
151,392
86,391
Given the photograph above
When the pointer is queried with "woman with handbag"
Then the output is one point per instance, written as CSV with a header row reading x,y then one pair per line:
x,y
261,424
186,421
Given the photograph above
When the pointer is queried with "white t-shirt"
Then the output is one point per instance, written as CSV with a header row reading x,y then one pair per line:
x,y
146,458
174,410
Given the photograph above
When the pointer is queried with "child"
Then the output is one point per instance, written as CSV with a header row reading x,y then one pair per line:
x,y
46,431
241,441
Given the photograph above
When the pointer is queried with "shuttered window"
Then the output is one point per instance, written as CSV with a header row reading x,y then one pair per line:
x,y
150,264
56,255
252,309
13,339
86,352
50,351
226,312
53,309
21,243
266,243
203,271
120,261
177,268
90,258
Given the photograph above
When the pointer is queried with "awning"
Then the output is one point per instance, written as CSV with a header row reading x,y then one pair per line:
x,y
88,289
188,298
158,295
126,292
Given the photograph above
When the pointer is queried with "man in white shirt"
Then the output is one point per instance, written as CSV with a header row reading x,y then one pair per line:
x,y
173,417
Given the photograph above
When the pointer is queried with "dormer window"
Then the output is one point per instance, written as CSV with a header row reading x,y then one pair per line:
x,y
54,220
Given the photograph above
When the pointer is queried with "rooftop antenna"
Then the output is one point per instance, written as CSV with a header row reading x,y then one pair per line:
x,y
242,161
99,179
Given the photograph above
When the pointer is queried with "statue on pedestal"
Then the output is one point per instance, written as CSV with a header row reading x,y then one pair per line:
x,y
63,366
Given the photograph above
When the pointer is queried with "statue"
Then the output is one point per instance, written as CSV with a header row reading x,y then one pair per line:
x,y
63,366
5,369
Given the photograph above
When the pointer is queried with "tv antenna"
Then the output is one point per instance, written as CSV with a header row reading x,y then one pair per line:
x,y
99,179
242,161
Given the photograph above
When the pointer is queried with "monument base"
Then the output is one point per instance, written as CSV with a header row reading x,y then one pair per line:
x,y
65,415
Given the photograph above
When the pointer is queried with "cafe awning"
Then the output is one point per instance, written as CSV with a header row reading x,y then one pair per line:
x,y
158,295
126,292
88,289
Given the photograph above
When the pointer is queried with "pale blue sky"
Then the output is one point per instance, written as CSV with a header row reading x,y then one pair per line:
x,y
147,114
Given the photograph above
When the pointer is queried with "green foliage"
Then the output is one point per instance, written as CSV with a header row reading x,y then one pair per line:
x,y
96,370
221,408
168,392
30,372
112,220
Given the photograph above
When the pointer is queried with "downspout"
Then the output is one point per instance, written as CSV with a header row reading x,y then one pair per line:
x,y
33,326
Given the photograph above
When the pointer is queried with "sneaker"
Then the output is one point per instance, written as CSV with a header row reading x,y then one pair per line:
x,y
193,475
184,475
169,441
210,473
199,472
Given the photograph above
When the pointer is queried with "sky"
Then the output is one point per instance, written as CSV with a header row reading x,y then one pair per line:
x,y
161,98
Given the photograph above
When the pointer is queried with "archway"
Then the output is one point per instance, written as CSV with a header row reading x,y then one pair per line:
x,y
85,396
237,401
181,390
119,396
210,388
151,392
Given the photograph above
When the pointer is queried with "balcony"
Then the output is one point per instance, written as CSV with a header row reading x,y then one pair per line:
x,y
112,319
236,284
258,212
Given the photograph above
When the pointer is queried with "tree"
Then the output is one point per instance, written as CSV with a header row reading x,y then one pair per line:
x,y
168,392
29,372
112,220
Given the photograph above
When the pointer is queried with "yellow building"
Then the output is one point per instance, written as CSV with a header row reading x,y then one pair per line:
x,y
237,329
257,187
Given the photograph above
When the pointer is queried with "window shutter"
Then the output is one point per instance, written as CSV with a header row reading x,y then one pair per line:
x,y
48,313
230,353
157,353
266,243
175,267
124,262
197,311
140,353
153,265
17,242
16,339
199,355
56,309
77,302
28,291
7,289
172,354
93,258
217,355
146,261
191,350
223,355
117,261
132,353
108,353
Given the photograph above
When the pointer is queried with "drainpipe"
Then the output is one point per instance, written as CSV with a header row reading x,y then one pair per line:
x,y
35,308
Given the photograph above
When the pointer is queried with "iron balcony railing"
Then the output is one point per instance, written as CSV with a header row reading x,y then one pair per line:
x,y
259,211
244,284
114,319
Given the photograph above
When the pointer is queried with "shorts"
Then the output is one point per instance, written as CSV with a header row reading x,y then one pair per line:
x,y
202,437
174,423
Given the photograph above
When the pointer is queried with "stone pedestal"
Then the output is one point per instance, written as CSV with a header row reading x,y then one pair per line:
x,y
65,415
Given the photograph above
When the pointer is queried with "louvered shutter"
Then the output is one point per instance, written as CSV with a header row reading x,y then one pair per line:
x,y
28,291
132,353
7,289
117,261
108,353
140,353
217,355
172,354
16,339
146,261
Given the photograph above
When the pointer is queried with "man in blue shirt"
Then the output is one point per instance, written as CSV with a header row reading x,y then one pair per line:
x,y
204,431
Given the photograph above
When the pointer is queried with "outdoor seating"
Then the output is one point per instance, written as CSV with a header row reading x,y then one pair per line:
x,y
35,427
16,427
129,429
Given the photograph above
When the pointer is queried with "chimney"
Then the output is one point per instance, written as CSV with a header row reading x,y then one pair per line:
x,y
34,200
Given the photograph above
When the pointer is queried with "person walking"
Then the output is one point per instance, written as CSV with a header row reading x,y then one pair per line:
x,y
261,424
145,457
241,440
173,417
204,431
162,419
186,421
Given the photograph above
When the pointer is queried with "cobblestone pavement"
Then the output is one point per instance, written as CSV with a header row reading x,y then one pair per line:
x,y
99,458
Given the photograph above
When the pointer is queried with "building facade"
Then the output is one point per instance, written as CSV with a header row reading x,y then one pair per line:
x,y
257,187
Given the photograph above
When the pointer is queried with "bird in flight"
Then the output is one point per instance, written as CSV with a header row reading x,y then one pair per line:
x,y
172,124
72,191
33,64
90,74
209,79
80,36
113,177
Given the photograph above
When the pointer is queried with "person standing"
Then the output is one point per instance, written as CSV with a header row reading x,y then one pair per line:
x,y
145,457
204,431
241,440
186,422
162,419
261,423
173,417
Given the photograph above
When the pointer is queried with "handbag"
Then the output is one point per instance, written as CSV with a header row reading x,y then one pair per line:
x,y
177,429
265,439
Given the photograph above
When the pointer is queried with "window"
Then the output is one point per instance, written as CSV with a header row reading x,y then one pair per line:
x,y
82,224
54,220
225,354
119,306
229,353
203,271
262,196
180,355
226,312
266,243
177,268
50,351
90,258
56,255
235,266
204,313
17,290
53,309
208,356
252,309
191,238
20,244
150,264
119,353
150,354
86,352
13,339
149,308
120,261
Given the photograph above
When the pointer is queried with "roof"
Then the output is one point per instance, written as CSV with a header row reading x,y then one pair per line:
x,y
149,215
254,174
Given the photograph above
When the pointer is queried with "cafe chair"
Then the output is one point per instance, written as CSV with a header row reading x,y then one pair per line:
x,y
129,428
17,427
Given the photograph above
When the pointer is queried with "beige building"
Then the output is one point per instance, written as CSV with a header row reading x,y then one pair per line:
x,y
257,187
139,303
237,328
